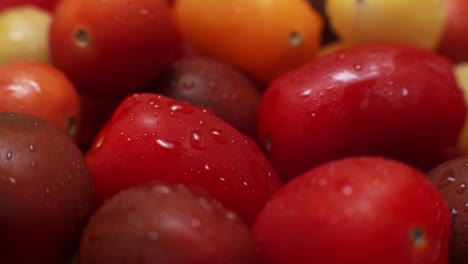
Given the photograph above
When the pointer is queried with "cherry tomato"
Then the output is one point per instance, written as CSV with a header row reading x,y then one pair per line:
x,y
453,41
359,210
214,84
393,100
164,223
46,191
451,178
112,48
152,137
40,89
264,38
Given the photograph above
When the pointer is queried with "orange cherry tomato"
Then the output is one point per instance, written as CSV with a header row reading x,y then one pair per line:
x,y
264,38
40,89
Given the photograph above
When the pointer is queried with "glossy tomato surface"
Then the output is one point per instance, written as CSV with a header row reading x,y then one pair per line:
x,y
357,210
166,223
152,137
112,48
387,99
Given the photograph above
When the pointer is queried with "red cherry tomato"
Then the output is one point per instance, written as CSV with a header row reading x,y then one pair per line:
x,y
152,137
393,100
362,210
112,48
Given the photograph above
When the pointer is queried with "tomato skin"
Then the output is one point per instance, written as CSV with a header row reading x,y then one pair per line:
x,y
122,45
358,210
44,4
377,99
152,137
263,38
42,90
167,224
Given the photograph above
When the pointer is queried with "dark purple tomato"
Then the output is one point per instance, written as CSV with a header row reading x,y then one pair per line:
x,y
165,223
223,89
451,178
46,192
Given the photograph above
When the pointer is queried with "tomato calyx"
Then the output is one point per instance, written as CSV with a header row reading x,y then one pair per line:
x,y
82,37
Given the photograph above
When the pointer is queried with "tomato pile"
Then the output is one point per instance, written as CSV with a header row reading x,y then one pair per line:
x,y
229,131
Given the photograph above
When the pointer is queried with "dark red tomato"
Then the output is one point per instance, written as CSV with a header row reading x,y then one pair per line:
x,y
359,210
45,4
208,82
377,99
153,137
112,48
165,223
451,178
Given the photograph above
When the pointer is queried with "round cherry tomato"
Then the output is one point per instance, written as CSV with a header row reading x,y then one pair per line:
x,y
264,38
393,100
359,210
152,137
216,85
166,224
40,89
112,48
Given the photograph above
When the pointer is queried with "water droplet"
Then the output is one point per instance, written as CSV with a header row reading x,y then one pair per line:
x,y
231,216
9,155
162,189
454,211
461,188
181,107
358,67
245,183
313,114
222,179
195,223
33,164
32,148
153,236
295,39
205,204
341,56
11,179
207,167
219,136
347,190
404,92
305,93
446,179
465,206
165,144
197,140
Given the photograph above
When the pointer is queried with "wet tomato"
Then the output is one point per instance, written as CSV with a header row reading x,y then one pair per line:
x,y
393,100
165,223
355,210
153,137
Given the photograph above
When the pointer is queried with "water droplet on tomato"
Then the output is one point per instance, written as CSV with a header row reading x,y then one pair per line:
x,y
404,92
305,93
205,204
11,180
219,136
461,188
32,148
33,164
358,67
347,190
165,144
197,140
9,155
465,206
446,179
180,107
162,189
